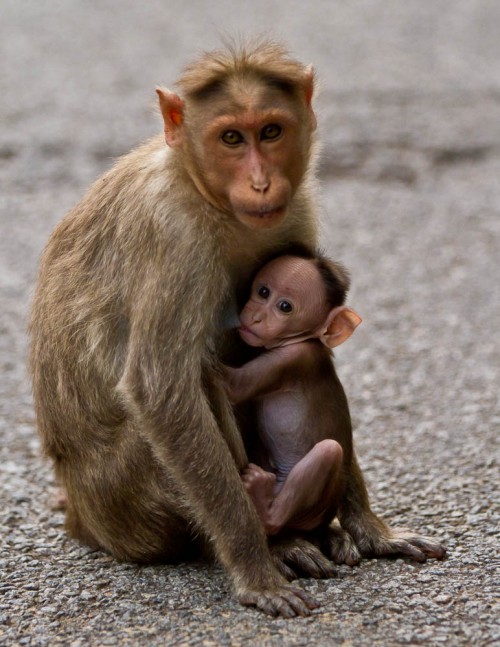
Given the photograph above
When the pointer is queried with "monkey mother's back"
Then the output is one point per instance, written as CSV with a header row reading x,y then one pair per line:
x,y
124,238
98,257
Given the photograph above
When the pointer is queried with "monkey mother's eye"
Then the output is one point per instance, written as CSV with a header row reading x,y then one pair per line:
x,y
232,137
272,131
263,292
285,306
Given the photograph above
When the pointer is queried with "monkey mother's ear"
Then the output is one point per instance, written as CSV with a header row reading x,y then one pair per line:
x,y
340,324
172,109
309,90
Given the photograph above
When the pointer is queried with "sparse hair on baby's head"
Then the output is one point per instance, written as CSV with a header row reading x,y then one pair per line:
x,y
334,275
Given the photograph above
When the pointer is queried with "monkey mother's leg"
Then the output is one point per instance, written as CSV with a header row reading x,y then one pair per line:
x,y
122,501
372,536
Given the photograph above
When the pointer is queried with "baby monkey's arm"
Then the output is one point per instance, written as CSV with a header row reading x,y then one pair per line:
x,y
267,373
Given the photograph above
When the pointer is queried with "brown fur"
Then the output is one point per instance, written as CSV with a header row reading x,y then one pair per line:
x,y
260,59
125,338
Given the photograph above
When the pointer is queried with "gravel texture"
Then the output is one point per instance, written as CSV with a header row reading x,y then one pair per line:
x,y
410,120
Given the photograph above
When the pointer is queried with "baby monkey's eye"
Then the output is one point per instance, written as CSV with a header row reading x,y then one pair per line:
x,y
263,292
285,306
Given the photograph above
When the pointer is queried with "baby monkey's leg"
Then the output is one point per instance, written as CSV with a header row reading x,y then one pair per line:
x,y
308,496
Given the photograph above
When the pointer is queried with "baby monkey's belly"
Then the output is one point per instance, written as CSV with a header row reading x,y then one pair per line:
x,y
282,424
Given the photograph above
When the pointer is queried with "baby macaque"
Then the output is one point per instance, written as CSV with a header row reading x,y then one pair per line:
x,y
296,314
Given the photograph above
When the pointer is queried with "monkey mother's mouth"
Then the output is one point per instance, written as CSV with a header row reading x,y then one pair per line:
x,y
264,212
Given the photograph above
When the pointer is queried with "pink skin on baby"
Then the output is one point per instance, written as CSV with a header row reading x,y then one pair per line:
x,y
288,316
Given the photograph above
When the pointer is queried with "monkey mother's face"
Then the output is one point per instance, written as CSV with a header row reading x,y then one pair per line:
x,y
251,157
287,304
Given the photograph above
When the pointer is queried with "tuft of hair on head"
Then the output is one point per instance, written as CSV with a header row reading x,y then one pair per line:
x,y
261,58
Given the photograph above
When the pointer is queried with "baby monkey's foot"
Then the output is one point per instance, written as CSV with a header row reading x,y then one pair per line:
x,y
260,486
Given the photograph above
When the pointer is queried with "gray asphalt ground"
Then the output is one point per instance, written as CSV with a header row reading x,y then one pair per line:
x,y
409,115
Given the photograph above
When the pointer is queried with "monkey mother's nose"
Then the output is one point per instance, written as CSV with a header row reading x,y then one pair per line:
x,y
260,184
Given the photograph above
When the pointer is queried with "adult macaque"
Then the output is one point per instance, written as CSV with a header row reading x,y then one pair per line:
x,y
126,328
296,312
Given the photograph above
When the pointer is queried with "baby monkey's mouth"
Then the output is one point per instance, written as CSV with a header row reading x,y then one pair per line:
x,y
249,336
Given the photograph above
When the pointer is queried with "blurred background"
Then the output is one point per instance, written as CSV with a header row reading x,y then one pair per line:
x,y
409,118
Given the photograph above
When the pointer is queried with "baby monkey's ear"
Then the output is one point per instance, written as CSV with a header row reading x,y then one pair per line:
x,y
340,323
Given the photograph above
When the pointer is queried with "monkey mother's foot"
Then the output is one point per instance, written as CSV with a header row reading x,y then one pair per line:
x,y
402,541
286,601
374,539
295,557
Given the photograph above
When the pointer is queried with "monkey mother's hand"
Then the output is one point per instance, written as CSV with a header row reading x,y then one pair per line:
x,y
294,556
280,600
340,546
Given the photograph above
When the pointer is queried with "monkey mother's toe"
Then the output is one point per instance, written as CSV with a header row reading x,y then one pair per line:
x,y
430,547
415,546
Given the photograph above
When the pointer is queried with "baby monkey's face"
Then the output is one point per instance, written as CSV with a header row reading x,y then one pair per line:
x,y
288,300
